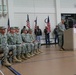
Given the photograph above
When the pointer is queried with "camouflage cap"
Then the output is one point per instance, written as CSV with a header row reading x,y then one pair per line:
x,y
16,27
2,27
29,29
63,18
12,27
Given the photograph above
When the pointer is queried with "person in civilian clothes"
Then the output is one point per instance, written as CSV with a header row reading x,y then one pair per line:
x,y
24,27
38,33
56,34
47,37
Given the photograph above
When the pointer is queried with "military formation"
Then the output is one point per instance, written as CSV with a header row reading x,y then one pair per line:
x,y
22,46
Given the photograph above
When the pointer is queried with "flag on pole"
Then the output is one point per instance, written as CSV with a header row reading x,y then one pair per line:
x,y
48,24
35,22
28,22
8,23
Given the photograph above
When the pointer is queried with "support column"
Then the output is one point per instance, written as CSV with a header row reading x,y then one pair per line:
x,y
58,12
11,12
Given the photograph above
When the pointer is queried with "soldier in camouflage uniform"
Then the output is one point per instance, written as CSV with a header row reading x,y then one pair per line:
x,y
37,45
19,42
26,39
4,46
61,28
29,40
11,38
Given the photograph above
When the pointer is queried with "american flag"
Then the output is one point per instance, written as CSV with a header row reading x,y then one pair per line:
x,y
28,22
48,24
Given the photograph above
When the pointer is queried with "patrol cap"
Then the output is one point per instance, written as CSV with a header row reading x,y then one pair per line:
x,y
16,27
24,29
63,18
12,27
2,27
29,29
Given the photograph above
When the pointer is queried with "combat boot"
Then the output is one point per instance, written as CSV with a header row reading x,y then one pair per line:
x,y
23,57
28,55
16,60
19,57
61,49
6,63
39,51
32,54
35,52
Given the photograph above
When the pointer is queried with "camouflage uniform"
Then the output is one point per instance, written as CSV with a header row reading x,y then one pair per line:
x,y
37,45
19,42
30,41
11,42
4,47
11,38
61,29
28,44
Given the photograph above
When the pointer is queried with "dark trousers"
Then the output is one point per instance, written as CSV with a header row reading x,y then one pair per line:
x,y
47,39
61,40
56,39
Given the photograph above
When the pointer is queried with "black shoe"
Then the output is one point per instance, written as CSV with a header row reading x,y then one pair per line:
x,y
62,48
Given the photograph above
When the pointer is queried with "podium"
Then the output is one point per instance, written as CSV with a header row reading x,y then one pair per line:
x,y
70,39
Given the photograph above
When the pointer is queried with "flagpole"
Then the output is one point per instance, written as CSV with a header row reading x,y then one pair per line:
x,y
34,14
7,15
34,7
8,19
7,9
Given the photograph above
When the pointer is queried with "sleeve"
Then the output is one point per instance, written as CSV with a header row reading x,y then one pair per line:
x,y
33,38
21,31
4,42
35,31
54,31
40,32
61,28
44,31
23,37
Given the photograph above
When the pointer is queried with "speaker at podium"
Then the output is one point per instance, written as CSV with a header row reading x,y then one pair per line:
x,y
70,39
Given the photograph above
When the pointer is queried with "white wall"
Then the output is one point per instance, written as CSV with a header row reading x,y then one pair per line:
x,y
20,20
68,3
3,21
42,9
68,6
18,9
36,3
